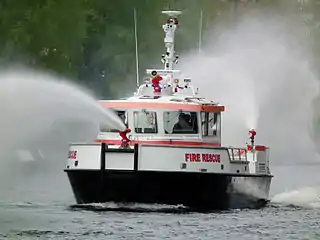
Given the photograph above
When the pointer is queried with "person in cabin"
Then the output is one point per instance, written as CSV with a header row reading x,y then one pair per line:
x,y
150,125
150,119
122,116
156,78
187,119
183,125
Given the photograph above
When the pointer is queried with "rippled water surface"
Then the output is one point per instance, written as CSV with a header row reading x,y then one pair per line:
x,y
40,221
41,208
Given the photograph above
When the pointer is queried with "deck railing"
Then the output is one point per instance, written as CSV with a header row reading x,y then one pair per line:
x,y
237,154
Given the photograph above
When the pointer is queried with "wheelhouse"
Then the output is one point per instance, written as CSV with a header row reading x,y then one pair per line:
x,y
166,120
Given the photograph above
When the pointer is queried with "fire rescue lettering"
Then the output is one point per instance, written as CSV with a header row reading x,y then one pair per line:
x,y
72,155
203,157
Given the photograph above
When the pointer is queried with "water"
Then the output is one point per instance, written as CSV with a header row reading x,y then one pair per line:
x,y
40,115
58,221
41,210
308,197
39,100
261,70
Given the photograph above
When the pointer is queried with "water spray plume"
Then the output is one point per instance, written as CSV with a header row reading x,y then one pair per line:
x,y
40,115
307,197
40,98
260,70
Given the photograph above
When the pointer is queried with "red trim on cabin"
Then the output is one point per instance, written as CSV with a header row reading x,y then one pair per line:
x,y
161,142
174,106
260,148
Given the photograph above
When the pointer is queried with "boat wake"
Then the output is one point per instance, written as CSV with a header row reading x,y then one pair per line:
x,y
304,197
130,207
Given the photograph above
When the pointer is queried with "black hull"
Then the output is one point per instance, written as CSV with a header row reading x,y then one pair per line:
x,y
194,190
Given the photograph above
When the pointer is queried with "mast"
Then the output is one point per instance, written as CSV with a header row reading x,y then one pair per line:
x,y
136,41
200,30
169,29
169,82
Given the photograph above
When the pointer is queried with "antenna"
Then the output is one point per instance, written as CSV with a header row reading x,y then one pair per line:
x,y
136,40
200,30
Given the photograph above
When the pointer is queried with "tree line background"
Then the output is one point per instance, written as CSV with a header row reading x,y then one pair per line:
x,y
92,41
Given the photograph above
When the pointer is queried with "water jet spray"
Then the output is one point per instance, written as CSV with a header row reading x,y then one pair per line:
x,y
259,70
40,115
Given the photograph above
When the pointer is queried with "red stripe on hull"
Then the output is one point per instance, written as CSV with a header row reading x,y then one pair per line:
x,y
161,142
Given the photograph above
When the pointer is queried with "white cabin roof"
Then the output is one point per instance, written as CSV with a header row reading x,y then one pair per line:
x,y
178,102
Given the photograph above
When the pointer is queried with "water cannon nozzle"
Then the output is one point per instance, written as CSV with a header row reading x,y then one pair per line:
x,y
252,133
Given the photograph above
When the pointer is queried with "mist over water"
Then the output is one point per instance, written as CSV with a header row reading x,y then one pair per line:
x,y
40,115
260,69
306,197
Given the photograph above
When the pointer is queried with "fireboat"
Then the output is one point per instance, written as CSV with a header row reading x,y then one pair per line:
x,y
170,152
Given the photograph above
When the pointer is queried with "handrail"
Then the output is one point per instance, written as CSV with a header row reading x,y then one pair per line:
x,y
237,154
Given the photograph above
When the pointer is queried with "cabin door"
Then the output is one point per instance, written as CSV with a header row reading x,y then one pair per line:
x,y
211,126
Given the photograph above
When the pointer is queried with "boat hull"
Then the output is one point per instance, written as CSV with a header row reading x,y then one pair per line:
x,y
194,190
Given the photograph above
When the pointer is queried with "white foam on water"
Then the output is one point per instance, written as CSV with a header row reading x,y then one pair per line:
x,y
308,197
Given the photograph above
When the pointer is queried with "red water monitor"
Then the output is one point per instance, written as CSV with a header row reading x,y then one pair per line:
x,y
124,139
252,133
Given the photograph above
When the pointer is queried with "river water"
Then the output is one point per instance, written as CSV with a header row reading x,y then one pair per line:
x,y
42,207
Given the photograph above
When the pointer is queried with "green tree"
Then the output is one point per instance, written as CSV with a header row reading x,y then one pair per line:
x,y
47,33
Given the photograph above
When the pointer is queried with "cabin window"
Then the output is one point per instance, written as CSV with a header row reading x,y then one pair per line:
x,y
210,123
180,122
122,115
145,122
